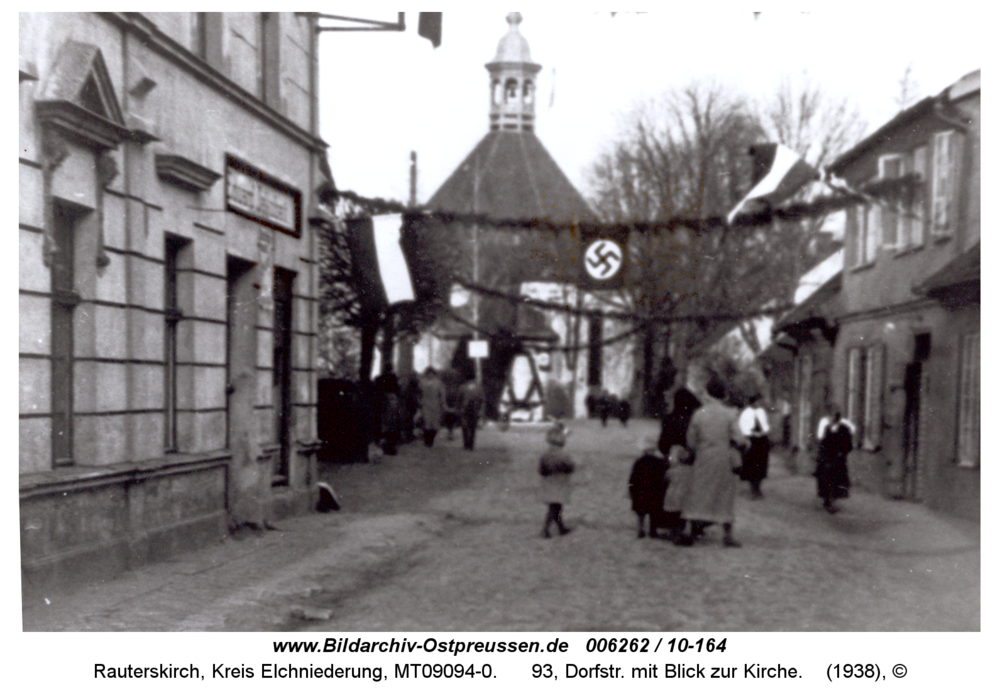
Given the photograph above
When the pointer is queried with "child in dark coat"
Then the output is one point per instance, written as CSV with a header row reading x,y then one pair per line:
x,y
647,486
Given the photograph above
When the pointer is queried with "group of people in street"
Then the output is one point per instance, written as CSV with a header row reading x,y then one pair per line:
x,y
687,480
422,404
605,405
683,482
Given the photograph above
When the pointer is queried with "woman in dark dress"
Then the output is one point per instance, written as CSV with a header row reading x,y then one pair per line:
x,y
836,440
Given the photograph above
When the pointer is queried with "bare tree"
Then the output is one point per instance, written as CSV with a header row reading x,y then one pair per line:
x,y
686,155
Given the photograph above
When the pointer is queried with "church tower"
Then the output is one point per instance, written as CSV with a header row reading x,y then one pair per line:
x,y
512,81
510,174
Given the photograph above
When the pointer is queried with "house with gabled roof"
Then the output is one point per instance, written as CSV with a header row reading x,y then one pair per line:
x,y
905,366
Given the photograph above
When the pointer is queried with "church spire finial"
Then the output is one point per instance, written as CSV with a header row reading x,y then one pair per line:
x,y
512,81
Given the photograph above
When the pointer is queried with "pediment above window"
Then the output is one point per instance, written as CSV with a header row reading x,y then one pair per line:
x,y
78,98
182,172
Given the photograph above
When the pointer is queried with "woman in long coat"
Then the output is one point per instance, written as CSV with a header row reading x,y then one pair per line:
x,y
711,491
432,404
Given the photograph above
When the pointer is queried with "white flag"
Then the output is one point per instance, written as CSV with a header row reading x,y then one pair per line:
x,y
392,266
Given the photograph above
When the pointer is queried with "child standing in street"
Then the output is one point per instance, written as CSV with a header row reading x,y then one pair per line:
x,y
555,467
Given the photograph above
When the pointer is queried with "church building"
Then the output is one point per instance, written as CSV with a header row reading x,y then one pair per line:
x,y
509,175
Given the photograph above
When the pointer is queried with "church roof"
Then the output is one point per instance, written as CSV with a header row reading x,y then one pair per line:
x,y
518,179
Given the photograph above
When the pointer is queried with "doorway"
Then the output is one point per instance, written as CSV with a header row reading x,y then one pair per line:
x,y
244,494
282,376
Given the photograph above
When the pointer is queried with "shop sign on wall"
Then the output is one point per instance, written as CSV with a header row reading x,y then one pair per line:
x,y
261,198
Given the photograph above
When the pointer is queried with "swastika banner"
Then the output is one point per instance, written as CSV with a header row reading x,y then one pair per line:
x,y
603,257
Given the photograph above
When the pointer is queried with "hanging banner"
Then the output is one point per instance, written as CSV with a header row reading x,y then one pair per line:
x,y
603,257
393,270
364,261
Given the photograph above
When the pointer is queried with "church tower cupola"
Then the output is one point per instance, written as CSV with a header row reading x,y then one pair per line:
x,y
512,81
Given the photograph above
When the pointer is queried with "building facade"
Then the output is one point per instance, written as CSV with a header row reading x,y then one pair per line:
x,y
167,164
906,360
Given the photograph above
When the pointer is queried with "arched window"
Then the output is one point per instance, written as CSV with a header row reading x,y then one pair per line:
x,y
529,91
510,91
495,93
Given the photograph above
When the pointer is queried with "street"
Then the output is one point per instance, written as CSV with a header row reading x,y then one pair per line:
x,y
443,539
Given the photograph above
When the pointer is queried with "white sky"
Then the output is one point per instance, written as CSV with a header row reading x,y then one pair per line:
x,y
385,94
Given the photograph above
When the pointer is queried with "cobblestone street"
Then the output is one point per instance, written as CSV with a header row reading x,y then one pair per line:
x,y
447,540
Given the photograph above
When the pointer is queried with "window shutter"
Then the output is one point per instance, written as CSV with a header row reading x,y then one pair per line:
x,y
968,420
919,197
803,378
905,207
874,366
851,234
853,385
942,215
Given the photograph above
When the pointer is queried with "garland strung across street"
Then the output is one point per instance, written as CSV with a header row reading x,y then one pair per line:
x,y
635,330
876,192
624,316
605,243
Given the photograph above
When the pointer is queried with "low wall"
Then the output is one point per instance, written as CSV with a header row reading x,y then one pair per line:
x,y
85,523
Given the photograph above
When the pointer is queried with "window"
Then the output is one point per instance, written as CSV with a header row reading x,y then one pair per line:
x,y
270,59
207,40
510,91
945,184
172,315
864,392
968,402
529,91
866,233
64,301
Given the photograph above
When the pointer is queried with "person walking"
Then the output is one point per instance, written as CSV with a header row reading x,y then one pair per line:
x,y
647,486
470,405
555,467
410,404
836,440
604,406
711,494
673,443
387,389
431,404
755,428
